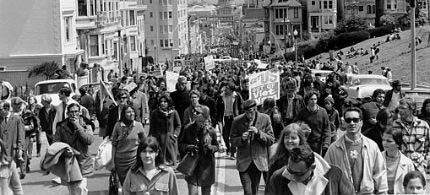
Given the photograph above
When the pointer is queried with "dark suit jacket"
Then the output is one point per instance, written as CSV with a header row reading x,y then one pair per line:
x,y
338,184
46,119
389,95
113,117
255,150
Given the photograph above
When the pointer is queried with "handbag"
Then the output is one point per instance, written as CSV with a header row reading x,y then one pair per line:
x,y
188,164
113,184
104,156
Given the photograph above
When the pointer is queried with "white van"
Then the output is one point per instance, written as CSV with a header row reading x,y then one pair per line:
x,y
52,87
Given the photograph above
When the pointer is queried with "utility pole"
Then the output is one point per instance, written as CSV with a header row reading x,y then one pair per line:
x,y
285,37
413,47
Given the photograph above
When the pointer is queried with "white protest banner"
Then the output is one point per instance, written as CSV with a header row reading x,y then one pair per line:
x,y
171,80
209,62
264,85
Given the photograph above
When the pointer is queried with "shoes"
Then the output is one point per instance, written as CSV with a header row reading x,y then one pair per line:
x,y
21,175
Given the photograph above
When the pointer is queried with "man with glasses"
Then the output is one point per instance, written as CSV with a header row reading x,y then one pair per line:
x,y
122,99
359,157
308,173
60,115
252,134
79,136
416,134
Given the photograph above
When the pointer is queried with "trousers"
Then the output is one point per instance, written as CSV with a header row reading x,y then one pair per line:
x,y
250,179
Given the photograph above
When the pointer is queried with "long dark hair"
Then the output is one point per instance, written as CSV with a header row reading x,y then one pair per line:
x,y
168,100
423,109
123,119
4,157
152,143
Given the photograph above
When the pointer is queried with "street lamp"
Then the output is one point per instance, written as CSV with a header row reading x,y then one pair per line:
x,y
295,33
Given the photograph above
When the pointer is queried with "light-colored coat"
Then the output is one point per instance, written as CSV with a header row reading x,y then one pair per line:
x,y
405,165
59,114
256,150
374,167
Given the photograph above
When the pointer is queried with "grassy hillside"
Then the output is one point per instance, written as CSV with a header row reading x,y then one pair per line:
x,y
396,55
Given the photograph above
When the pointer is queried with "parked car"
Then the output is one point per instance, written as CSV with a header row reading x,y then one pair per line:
x,y
52,87
324,73
419,94
362,85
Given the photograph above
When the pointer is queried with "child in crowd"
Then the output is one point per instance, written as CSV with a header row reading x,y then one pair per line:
x,y
333,116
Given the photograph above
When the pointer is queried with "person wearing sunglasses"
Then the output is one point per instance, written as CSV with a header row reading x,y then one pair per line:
x,y
308,173
358,156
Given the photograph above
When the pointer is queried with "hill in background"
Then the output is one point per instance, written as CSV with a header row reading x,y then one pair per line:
x,y
395,55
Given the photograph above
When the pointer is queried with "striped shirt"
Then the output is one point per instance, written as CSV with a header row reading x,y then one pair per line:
x,y
416,141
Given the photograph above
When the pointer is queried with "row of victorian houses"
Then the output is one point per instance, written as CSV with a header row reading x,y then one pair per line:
x,y
286,20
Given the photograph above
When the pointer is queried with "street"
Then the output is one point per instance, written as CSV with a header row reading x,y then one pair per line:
x,y
36,183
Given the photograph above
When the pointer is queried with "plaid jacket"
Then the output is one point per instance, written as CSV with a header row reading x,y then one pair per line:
x,y
416,141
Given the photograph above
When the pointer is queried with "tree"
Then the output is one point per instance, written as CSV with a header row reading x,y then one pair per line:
x,y
47,69
387,20
350,25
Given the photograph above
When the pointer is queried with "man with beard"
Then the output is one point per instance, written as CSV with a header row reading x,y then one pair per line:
x,y
359,157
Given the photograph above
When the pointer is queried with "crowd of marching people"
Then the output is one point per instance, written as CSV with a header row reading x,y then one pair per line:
x,y
314,139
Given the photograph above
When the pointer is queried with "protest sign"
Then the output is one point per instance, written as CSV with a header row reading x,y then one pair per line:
x,y
209,62
264,85
171,80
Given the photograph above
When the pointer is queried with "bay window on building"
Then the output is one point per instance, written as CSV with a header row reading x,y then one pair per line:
x,y
94,45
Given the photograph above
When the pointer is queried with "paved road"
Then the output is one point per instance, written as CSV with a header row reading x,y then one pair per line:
x,y
36,183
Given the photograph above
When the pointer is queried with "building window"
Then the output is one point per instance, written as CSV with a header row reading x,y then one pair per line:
x,y
150,1
68,27
330,4
165,15
170,28
171,42
132,19
151,28
360,8
161,41
313,2
369,9
82,8
389,4
165,29
161,14
373,8
115,50
151,14
133,43
296,12
325,4
170,14
94,45
166,43
161,29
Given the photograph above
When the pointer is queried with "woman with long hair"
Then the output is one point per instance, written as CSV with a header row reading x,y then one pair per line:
x,y
425,111
200,139
165,127
9,178
148,176
125,138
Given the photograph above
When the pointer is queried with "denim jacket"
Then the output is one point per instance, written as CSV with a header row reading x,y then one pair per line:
x,y
374,179
163,183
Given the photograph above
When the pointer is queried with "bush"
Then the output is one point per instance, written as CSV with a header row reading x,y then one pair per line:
x,y
381,31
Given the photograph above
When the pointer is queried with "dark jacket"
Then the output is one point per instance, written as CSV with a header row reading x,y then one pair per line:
x,y
255,150
318,121
204,174
181,101
12,132
237,106
79,140
46,119
389,95
211,104
298,105
113,117
338,183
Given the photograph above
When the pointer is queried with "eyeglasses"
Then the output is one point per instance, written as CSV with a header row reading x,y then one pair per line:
x,y
124,97
295,173
348,120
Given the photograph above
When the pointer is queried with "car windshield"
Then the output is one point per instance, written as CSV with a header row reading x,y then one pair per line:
x,y
50,88
367,81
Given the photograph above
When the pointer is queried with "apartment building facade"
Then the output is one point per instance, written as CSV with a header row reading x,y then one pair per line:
x,y
283,18
33,32
365,9
322,17
166,29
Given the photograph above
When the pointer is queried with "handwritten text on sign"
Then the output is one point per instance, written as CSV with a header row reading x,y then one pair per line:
x,y
264,85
